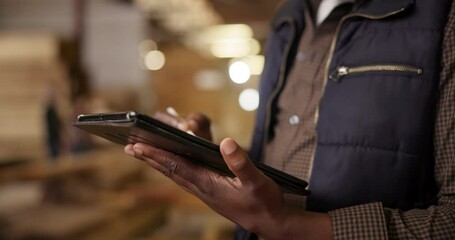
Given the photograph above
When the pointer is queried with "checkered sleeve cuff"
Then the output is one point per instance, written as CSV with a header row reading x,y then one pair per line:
x,y
359,222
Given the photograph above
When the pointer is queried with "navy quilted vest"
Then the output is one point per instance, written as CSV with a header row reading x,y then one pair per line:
x,y
376,117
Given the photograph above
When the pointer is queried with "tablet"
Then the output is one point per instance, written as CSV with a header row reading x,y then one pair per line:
x,y
132,127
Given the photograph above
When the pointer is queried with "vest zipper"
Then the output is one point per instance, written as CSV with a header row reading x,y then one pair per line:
x,y
280,83
344,70
337,32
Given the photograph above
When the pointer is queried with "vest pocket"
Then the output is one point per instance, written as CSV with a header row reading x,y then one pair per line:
x,y
342,71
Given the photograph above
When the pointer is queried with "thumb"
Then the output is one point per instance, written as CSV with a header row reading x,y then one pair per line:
x,y
238,161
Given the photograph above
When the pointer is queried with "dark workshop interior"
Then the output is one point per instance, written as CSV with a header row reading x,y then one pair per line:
x,y
61,58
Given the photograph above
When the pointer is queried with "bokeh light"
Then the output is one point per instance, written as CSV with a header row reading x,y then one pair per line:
x,y
146,46
249,99
154,60
239,72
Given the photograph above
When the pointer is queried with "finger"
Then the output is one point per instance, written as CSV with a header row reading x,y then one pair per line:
x,y
200,125
169,119
129,150
187,186
177,168
152,163
158,159
198,121
238,161
173,120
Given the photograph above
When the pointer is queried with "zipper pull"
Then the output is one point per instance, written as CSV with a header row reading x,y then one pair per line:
x,y
338,73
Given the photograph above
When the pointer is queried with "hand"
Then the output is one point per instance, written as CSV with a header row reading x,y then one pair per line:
x,y
251,199
197,123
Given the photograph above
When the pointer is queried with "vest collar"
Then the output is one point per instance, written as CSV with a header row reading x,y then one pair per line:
x,y
380,8
292,10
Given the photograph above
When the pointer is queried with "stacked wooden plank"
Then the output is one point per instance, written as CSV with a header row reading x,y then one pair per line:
x,y
31,78
88,196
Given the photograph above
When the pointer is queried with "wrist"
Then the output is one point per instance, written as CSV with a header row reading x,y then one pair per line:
x,y
294,223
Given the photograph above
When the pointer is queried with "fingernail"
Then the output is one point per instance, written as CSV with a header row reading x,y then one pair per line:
x,y
129,151
229,147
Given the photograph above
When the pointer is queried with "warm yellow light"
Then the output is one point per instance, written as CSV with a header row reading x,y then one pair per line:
x,y
146,46
228,31
234,47
225,41
154,60
255,63
249,99
239,72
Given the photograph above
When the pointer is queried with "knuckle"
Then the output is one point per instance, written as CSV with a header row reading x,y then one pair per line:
x,y
209,186
239,165
171,167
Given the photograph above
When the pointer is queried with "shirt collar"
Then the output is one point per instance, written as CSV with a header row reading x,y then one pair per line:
x,y
326,7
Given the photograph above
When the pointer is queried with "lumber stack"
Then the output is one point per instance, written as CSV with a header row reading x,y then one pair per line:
x,y
31,78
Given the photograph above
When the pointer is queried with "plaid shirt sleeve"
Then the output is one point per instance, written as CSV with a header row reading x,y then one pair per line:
x,y
373,221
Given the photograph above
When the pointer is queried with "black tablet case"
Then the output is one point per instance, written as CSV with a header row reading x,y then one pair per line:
x,y
131,127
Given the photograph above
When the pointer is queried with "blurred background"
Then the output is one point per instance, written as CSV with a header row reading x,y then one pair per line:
x,y
61,58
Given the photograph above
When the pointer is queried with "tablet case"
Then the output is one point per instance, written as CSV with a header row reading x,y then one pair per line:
x,y
131,127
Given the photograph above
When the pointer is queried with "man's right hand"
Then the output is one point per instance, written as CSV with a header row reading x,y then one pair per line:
x,y
198,123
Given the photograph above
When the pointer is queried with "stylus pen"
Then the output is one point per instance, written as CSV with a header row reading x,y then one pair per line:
x,y
174,113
